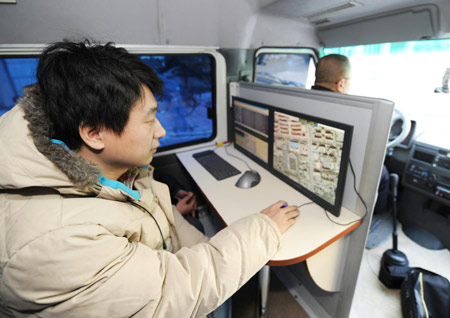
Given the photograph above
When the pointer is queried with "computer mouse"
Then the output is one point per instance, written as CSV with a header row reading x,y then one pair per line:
x,y
249,179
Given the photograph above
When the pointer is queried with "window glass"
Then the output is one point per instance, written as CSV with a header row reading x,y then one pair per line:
x,y
187,110
282,66
15,73
408,73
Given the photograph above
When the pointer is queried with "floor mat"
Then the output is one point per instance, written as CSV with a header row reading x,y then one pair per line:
x,y
380,229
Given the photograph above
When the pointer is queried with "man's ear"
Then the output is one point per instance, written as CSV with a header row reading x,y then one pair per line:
x,y
340,86
91,137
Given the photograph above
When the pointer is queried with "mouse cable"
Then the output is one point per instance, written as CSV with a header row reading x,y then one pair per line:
x,y
226,150
359,196
307,203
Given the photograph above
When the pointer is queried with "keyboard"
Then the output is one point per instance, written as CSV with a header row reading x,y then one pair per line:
x,y
215,165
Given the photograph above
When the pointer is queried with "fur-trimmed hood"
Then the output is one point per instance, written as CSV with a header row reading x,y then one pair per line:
x,y
28,157
94,255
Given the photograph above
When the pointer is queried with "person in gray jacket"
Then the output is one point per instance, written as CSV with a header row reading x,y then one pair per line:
x,y
85,229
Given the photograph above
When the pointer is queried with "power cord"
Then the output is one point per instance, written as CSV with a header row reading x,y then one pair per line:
x,y
359,196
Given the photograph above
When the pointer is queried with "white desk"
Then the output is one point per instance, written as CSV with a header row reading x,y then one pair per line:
x,y
311,233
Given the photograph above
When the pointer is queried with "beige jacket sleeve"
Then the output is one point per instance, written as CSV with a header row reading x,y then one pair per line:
x,y
204,276
123,279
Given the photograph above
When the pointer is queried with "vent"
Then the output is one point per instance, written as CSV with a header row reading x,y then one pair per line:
x,y
333,9
320,21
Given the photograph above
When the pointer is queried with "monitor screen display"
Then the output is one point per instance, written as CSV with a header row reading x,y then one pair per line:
x,y
251,129
312,155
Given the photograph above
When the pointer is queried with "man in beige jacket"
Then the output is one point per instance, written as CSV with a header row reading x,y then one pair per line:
x,y
85,230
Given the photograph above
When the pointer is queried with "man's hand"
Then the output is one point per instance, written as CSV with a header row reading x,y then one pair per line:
x,y
187,204
283,216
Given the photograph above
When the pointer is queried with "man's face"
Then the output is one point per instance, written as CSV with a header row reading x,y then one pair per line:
x,y
345,85
346,81
139,140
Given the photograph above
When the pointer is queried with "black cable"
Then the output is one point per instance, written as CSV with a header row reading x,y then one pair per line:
x,y
157,224
356,191
359,196
226,150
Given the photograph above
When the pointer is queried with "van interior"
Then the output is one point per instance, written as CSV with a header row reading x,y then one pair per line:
x,y
236,72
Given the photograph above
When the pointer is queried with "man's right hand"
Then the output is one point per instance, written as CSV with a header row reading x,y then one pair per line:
x,y
283,216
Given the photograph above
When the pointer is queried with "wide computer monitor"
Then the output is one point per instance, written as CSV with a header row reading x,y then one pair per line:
x,y
309,153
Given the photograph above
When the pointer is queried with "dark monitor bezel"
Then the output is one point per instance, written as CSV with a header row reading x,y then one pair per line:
x,y
345,155
335,208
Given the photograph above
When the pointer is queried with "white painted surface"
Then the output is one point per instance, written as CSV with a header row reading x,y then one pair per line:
x,y
328,277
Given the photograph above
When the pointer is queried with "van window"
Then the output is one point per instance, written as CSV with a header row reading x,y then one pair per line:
x,y
411,74
187,110
285,66
15,73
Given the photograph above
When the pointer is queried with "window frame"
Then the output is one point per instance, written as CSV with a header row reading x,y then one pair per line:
x,y
213,111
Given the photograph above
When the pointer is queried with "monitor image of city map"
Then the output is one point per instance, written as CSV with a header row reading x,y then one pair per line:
x,y
308,153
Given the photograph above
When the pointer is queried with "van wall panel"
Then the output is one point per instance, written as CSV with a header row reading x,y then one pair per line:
x,y
43,21
226,24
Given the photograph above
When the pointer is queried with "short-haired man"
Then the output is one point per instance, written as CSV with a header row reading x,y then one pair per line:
x,y
333,74
86,231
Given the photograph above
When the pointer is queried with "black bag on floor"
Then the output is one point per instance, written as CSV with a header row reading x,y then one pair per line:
x,y
425,294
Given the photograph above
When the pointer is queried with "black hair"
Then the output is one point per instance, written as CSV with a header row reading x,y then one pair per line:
x,y
331,68
91,84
